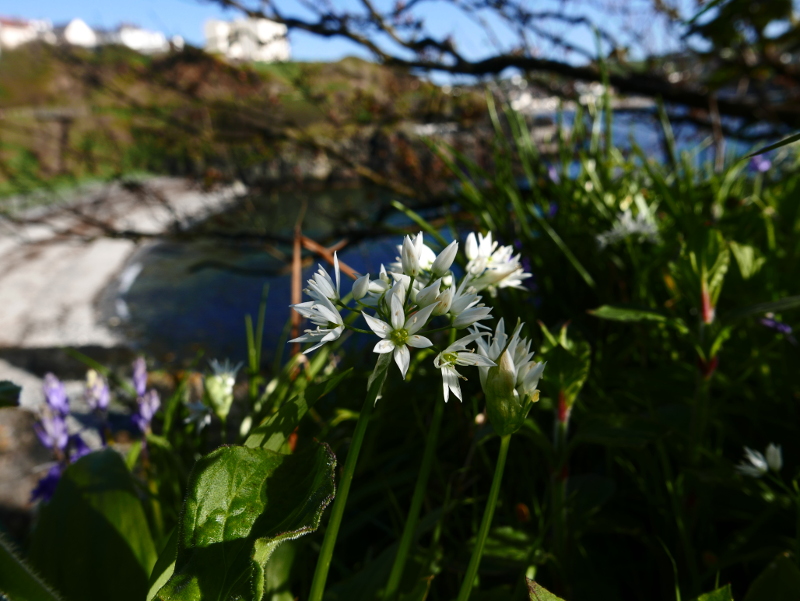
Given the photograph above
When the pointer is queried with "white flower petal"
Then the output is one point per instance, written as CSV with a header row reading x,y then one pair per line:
x,y
402,357
384,346
415,322
381,328
398,317
418,342
338,275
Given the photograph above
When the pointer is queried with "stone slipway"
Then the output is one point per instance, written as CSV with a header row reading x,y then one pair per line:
x,y
56,263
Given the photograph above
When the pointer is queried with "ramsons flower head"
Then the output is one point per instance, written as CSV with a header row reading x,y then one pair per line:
x,y
491,266
219,386
756,465
511,386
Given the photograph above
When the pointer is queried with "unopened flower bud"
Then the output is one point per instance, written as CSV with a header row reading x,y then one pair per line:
x,y
504,406
445,259
361,287
428,295
443,301
409,257
774,457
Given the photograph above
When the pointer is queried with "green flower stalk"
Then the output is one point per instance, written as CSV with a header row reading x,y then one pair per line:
x,y
510,389
398,306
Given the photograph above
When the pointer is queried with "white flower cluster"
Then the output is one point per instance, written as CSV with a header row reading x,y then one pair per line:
x,y
516,360
627,225
756,465
419,288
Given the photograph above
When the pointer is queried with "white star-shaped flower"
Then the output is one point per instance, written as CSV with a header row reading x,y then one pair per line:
x,y
401,333
457,354
324,315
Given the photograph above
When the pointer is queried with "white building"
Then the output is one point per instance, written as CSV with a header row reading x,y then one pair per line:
x,y
77,33
248,39
136,38
16,32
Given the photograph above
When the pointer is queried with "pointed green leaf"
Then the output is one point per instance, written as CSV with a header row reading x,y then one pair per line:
x,y
747,259
18,581
785,142
626,313
241,504
9,394
620,313
165,566
780,581
721,594
93,541
784,304
274,432
536,592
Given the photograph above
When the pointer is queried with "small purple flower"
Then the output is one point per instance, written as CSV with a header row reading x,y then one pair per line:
x,y
776,325
97,393
140,376
46,487
760,163
52,432
552,173
55,394
552,209
79,448
148,405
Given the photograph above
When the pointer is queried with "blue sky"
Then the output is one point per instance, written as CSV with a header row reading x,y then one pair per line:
x,y
186,18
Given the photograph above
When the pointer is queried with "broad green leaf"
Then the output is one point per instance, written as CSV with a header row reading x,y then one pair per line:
x,y
241,504
536,592
274,432
747,259
784,304
780,581
18,581
9,394
721,594
93,541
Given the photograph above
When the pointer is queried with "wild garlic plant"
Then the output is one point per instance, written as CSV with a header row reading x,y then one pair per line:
x,y
420,295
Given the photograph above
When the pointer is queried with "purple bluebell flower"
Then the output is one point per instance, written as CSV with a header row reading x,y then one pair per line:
x,y
78,447
552,209
52,432
148,405
97,392
55,394
778,326
760,163
140,376
552,173
46,487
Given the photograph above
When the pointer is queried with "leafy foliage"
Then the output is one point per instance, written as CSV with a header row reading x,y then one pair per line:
x,y
241,505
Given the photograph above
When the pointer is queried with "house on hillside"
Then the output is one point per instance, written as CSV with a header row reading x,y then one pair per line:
x,y
248,40
136,38
16,32
76,33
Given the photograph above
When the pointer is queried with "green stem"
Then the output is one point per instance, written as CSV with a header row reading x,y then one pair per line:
x,y
486,522
560,494
417,497
328,543
416,502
